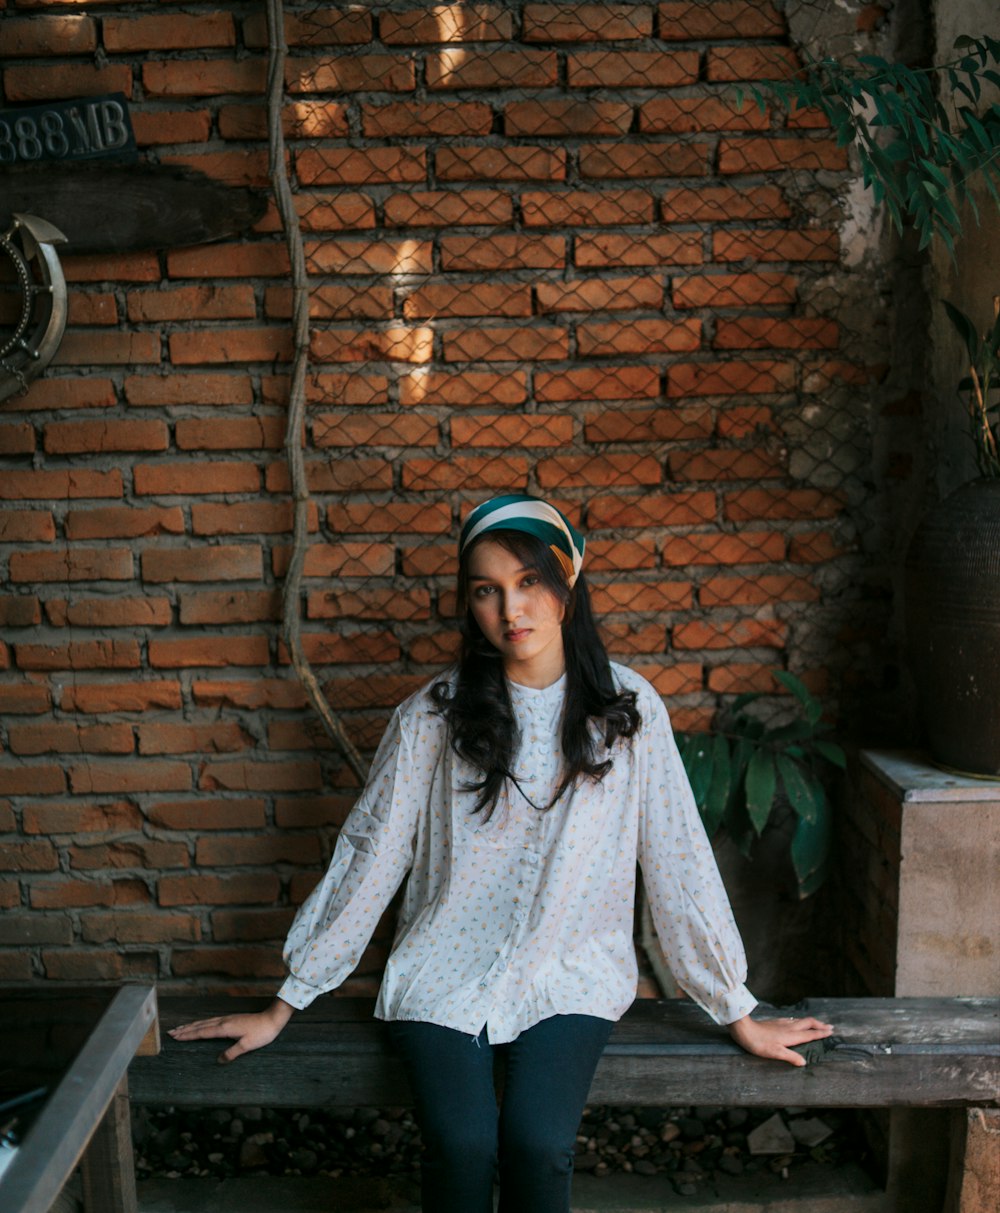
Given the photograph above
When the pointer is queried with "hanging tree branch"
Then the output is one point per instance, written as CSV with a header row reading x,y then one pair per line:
x,y
915,156
290,598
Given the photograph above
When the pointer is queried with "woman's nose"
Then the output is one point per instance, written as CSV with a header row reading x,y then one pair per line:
x,y
512,607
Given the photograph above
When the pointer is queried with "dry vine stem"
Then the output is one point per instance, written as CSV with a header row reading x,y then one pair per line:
x,y
290,598
978,402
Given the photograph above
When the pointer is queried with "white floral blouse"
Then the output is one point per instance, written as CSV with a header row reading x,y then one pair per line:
x,y
507,921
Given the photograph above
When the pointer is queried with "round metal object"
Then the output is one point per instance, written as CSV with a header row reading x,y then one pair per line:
x,y
29,345
26,289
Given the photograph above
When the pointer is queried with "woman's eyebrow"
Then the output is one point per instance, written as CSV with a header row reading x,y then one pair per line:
x,y
483,577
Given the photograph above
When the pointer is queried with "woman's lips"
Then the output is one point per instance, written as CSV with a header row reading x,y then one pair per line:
x,y
517,634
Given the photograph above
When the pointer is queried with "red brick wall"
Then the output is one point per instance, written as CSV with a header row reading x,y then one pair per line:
x,y
548,252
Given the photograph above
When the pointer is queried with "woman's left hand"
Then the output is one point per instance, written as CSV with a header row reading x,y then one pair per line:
x,y
773,1037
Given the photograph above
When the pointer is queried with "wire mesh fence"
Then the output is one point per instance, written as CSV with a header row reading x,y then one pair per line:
x,y
510,247
550,248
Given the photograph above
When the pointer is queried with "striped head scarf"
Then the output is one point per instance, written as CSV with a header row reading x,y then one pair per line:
x,y
519,512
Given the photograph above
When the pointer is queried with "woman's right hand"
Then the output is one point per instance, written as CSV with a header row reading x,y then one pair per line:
x,y
250,1031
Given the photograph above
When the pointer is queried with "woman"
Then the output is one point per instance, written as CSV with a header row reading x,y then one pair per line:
x,y
517,794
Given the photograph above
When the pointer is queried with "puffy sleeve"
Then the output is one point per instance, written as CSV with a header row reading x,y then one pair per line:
x,y
374,851
687,899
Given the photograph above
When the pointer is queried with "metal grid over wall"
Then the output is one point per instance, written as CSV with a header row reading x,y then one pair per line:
x,y
546,249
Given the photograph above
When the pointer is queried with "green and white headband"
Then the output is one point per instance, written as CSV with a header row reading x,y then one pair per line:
x,y
519,512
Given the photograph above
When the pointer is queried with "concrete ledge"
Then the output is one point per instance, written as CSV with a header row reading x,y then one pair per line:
x,y
915,779
812,1188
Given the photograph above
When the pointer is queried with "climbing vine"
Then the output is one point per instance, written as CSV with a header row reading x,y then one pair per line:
x,y
291,598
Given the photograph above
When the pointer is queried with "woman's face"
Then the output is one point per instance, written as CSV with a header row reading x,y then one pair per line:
x,y
517,613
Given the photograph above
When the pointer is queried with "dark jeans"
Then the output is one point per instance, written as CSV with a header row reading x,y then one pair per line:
x,y
533,1133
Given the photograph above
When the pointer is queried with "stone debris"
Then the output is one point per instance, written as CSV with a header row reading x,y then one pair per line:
x,y
809,1131
691,1145
771,1137
253,1156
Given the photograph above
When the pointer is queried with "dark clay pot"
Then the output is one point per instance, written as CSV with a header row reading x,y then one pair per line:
x,y
952,599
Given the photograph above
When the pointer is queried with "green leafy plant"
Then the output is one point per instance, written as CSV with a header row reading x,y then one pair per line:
x,y
738,773
914,156
981,385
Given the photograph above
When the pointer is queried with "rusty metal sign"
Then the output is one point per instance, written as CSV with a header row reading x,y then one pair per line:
x,y
86,129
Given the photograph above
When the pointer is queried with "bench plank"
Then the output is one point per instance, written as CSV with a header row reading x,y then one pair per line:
x,y
921,1052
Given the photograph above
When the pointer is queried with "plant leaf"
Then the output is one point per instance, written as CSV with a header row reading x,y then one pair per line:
x,y
754,729
811,851
737,826
814,709
741,701
698,763
832,753
795,730
934,172
965,328
717,796
898,151
801,786
741,754
760,786
940,153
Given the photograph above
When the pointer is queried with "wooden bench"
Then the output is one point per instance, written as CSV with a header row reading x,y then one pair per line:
x,y
75,1044
886,1053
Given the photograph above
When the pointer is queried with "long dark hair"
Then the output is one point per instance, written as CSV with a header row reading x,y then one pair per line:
x,y
478,709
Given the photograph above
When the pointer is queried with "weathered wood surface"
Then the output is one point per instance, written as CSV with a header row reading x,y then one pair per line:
x,y
102,208
108,1165
885,1053
76,1107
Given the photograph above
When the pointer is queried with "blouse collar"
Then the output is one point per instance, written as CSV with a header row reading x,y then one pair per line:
x,y
538,697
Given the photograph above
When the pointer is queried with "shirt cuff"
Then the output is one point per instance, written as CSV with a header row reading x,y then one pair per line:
x,y
297,994
733,1006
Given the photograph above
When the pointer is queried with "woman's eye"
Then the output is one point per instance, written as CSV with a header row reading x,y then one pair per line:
x,y
482,590
531,579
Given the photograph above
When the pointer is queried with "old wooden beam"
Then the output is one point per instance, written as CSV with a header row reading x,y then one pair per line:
x,y
104,208
886,1053
108,1165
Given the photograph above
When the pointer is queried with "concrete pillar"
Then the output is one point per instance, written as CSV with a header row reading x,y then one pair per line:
x,y
942,870
975,1177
